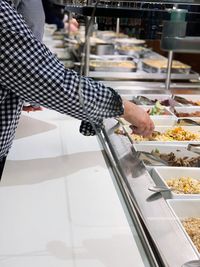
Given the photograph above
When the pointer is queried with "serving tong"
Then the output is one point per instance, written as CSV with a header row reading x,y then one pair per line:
x,y
145,156
194,148
188,121
181,100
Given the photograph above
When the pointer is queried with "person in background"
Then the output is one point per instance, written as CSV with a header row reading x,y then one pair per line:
x,y
30,72
54,14
33,13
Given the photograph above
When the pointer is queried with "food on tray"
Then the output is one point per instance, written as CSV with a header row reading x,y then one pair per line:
x,y
157,109
185,101
127,41
184,185
174,134
112,64
192,227
156,65
146,101
187,114
131,48
162,63
173,160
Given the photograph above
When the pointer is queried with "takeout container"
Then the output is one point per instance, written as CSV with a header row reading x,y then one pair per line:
x,y
184,209
161,174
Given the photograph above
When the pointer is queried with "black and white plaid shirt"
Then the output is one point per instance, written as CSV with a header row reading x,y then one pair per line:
x,y
30,72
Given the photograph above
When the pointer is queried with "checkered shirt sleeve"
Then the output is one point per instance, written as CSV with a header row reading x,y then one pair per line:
x,y
30,72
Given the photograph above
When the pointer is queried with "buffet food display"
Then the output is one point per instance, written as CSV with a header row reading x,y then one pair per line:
x,y
178,168
169,141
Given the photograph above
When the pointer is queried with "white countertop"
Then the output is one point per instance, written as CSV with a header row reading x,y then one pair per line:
x,y
58,204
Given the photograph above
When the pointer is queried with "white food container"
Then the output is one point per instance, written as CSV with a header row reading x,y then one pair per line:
x,y
160,121
187,109
162,129
161,175
183,209
160,97
168,114
190,98
179,151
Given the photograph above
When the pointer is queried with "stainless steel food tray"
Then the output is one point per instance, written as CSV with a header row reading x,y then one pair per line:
x,y
104,66
151,69
140,75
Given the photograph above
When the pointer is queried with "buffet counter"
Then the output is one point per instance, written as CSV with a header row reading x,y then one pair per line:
x,y
59,203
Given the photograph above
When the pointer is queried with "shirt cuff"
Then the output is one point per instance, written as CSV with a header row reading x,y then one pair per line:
x,y
116,109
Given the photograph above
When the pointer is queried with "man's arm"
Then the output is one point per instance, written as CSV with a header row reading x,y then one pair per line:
x,y
33,73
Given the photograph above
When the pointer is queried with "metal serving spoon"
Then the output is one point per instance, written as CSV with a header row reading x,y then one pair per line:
x,y
159,189
195,263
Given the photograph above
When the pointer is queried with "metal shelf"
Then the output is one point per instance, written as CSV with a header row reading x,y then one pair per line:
x,y
129,11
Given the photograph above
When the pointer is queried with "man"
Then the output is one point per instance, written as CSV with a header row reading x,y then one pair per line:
x,y
30,72
33,13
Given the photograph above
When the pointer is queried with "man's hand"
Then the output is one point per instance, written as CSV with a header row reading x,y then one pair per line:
x,y
139,119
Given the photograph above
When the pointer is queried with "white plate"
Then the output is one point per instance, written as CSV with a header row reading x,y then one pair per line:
x,y
160,175
183,209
